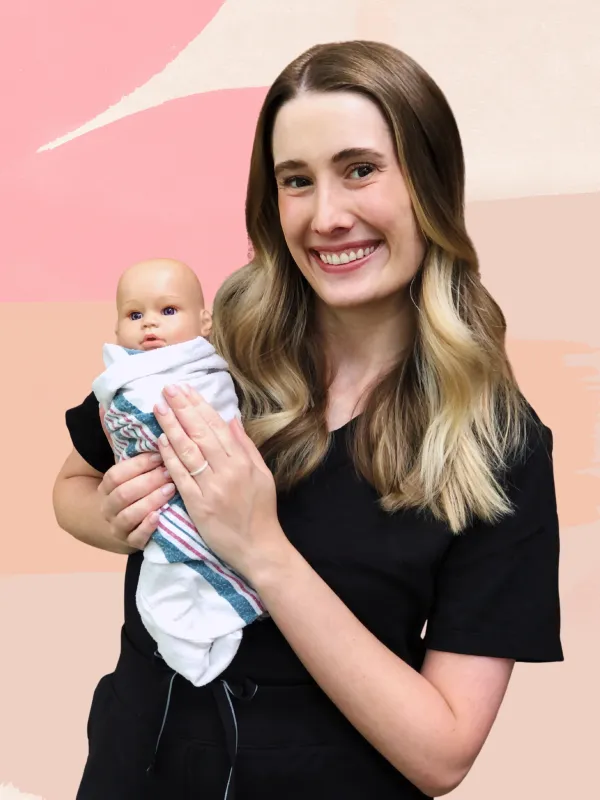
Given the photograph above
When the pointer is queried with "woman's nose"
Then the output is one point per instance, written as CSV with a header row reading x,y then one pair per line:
x,y
330,213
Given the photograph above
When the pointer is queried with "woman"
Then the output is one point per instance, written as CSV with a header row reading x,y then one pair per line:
x,y
408,481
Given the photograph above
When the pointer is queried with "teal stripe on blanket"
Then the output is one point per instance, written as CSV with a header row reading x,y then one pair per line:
x,y
220,584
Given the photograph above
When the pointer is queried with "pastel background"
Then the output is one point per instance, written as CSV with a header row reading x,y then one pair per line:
x,y
125,132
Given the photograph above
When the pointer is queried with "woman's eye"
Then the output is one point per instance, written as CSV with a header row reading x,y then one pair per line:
x,y
295,182
135,315
362,170
169,311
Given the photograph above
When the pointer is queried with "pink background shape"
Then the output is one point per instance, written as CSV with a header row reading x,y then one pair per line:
x,y
62,62
169,181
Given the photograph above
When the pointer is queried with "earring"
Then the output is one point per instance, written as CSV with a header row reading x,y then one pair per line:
x,y
410,292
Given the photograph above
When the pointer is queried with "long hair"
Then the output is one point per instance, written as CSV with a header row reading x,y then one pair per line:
x,y
439,428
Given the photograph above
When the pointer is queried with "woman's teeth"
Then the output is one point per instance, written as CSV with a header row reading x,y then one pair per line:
x,y
345,256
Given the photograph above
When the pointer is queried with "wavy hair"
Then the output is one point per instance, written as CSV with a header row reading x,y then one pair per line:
x,y
438,430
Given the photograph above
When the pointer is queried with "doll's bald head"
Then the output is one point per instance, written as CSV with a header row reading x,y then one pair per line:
x,y
160,302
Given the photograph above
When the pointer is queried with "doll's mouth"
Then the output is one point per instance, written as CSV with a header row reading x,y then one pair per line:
x,y
151,342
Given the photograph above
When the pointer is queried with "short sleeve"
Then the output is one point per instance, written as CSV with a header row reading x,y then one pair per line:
x,y
497,590
87,435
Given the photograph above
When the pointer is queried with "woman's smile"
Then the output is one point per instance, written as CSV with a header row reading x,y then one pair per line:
x,y
341,260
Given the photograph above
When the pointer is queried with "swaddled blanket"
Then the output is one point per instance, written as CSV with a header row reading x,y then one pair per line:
x,y
193,605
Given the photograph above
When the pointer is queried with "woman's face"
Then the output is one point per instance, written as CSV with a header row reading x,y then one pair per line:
x,y
344,207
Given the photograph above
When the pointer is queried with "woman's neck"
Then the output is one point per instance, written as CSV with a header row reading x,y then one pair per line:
x,y
360,345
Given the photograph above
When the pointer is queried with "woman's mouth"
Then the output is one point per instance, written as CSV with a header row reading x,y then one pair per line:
x,y
345,259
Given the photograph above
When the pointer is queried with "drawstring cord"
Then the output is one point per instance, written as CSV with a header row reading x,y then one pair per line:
x,y
223,692
150,766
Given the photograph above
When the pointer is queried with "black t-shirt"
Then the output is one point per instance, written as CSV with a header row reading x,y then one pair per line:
x,y
490,591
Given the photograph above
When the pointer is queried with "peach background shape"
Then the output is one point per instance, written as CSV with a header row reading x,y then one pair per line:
x,y
126,133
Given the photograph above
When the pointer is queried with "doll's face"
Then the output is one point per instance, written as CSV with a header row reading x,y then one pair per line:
x,y
160,303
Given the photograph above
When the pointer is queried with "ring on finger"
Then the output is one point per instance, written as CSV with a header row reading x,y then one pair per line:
x,y
200,470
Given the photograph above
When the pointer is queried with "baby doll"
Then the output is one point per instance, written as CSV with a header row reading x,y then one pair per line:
x,y
193,605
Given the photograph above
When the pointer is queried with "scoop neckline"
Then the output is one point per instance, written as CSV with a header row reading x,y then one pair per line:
x,y
343,427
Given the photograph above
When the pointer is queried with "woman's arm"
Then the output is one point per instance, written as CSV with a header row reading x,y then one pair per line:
x,y
113,512
429,725
77,505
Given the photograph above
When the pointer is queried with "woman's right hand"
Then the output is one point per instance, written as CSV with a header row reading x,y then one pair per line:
x,y
132,492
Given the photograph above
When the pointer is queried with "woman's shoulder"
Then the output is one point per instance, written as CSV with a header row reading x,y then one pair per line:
x,y
534,454
497,592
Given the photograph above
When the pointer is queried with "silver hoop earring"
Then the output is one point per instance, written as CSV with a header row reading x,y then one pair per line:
x,y
410,292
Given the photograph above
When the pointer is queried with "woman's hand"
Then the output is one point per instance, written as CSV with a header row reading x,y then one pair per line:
x,y
232,500
131,493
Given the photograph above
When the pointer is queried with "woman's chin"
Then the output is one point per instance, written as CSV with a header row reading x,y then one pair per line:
x,y
338,301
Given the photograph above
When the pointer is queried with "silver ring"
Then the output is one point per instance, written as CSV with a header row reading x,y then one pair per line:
x,y
200,470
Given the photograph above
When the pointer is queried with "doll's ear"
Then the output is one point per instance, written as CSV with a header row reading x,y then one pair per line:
x,y
206,323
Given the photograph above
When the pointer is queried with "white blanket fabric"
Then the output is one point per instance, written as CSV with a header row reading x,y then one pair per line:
x,y
193,605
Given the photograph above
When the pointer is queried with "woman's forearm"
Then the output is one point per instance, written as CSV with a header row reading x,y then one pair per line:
x,y
77,511
393,706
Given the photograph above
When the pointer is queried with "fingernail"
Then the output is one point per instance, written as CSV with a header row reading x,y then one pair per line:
x,y
155,458
166,473
161,407
186,389
168,489
172,390
163,440
153,518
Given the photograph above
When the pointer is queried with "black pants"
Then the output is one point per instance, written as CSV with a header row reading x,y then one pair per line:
x,y
153,736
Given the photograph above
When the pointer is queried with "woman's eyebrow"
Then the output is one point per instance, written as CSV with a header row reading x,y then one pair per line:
x,y
343,155
290,164
357,152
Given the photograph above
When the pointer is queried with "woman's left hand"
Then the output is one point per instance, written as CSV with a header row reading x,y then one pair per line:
x,y
232,501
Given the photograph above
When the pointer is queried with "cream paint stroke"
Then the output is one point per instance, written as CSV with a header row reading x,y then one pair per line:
x,y
244,45
10,792
521,77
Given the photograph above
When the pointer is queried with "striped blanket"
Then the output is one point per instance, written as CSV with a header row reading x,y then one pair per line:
x,y
192,603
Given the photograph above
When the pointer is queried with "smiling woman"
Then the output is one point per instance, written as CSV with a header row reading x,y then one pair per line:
x,y
362,227
389,475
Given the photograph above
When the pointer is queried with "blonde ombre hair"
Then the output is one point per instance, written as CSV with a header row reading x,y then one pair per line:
x,y
440,427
